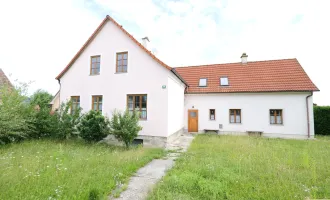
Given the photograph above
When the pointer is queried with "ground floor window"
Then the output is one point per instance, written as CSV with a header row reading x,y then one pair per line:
x,y
276,116
235,115
212,114
97,102
75,103
137,102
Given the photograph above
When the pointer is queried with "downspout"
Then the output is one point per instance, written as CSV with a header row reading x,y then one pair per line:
x,y
59,94
308,121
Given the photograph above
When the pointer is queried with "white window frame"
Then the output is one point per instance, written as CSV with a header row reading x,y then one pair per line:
x,y
224,81
200,85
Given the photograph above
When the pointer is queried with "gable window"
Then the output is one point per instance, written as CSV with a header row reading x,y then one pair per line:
x,y
137,102
75,104
224,81
235,115
276,116
203,82
95,65
212,114
121,64
97,103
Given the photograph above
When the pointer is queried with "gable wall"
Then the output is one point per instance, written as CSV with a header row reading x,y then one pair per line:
x,y
145,76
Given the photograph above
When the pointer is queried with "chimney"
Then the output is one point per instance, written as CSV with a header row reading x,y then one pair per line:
x,y
244,58
145,41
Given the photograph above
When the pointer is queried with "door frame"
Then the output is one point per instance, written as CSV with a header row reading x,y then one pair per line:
x,y
189,110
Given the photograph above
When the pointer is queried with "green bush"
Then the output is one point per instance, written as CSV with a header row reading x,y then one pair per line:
x,y
322,120
93,126
65,123
125,126
15,114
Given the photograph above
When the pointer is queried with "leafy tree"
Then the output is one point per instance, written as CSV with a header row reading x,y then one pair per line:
x,y
14,114
322,120
125,126
41,98
93,126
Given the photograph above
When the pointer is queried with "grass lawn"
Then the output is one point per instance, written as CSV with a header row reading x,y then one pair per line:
x,y
66,170
241,167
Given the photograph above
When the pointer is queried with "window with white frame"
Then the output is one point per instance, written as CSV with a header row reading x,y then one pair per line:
x,y
203,82
224,81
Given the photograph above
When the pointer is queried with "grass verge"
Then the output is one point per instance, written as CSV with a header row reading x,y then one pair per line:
x,y
241,167
67,170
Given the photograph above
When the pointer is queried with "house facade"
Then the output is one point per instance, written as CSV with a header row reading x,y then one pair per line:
x,y
113,71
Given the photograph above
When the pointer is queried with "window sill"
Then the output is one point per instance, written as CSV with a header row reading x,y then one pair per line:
x,y
212,120
120,72
276,124
94,74
235,123
143,119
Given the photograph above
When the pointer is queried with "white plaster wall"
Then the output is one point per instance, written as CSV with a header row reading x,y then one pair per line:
x,y
175,105
255,112
145,76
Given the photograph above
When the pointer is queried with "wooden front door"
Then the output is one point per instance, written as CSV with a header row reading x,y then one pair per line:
x,y
192,120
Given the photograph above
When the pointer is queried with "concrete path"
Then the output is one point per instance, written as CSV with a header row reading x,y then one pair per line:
x,y
145,178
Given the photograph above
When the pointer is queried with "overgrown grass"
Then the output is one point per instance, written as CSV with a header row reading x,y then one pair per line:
x,y
67,170
241,167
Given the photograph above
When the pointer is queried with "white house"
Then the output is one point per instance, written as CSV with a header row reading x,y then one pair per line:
x,y
114,71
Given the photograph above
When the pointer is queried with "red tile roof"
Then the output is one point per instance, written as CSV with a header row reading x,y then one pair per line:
x,y
90,39
259,76
4,79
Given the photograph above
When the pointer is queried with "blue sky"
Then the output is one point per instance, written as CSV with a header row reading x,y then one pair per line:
x,y
38,38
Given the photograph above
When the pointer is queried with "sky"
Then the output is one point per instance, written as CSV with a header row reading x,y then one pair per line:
x,y
38,38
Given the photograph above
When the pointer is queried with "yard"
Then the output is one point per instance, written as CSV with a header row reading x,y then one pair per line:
x,y
241,167
66,170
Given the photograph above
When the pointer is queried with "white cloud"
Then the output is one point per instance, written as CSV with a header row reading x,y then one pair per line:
x,y
38,38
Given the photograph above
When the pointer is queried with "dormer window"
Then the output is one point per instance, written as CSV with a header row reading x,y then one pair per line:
x,y
203,82
224,81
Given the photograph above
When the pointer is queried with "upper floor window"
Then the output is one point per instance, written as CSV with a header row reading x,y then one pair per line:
x,y
235,115
95,65
137,102
97,103
75,104
276,116
224,81
203,82
121,65
212,114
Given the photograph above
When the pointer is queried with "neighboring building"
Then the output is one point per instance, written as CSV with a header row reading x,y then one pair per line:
x,y
4,81
114,71
55,103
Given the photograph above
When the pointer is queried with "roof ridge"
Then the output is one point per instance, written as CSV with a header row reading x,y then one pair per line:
x,y
91,38
205,65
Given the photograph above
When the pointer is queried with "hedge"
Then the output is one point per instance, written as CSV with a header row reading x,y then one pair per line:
x,y
322,120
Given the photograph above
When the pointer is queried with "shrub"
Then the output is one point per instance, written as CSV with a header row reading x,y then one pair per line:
x,y
93,126
14,114
65,123
322,120
45,124
125,126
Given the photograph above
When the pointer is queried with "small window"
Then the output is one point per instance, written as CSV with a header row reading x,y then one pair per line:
x,y
95,65
212,114
276,116
121,65
203,82
75,104
235,116
97,103
137,102
224,81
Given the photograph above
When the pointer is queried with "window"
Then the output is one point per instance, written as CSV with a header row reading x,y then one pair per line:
x,y
276,116
95,65
212,114
137,102
203,82
224,81
97,103
121,65
75,103
235,115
